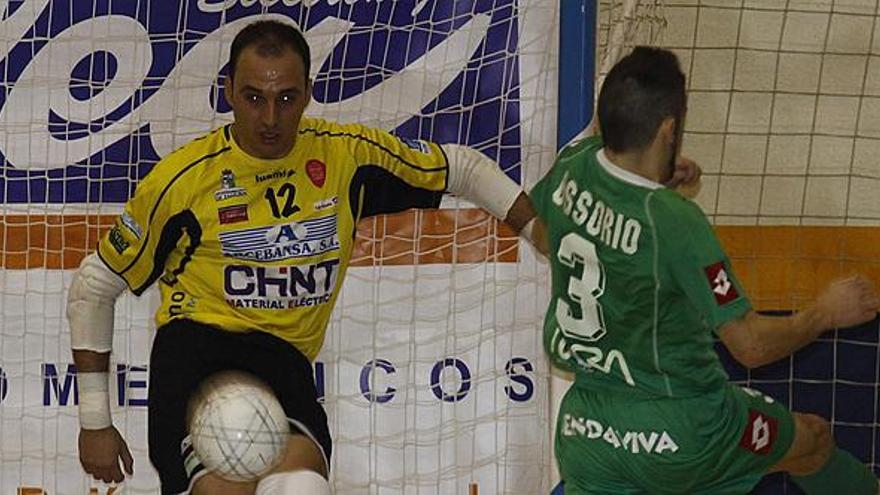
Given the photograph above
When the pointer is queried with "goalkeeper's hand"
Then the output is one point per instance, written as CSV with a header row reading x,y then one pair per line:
x,y
685,178
100,452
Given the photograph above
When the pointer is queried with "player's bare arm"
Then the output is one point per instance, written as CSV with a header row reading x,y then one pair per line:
x,y
756,340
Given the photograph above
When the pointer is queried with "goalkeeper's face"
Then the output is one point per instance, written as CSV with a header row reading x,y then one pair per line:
x,y
268,94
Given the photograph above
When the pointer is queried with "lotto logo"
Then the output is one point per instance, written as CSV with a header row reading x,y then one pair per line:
x,y
760,433
722,288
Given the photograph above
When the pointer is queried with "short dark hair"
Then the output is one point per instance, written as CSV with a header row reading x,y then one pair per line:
x,y
270,38
640,91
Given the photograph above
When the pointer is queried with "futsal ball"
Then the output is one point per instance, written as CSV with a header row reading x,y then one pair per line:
x,y
237,426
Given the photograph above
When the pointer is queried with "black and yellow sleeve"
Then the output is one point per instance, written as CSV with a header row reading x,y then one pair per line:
x,y
395,174
138,245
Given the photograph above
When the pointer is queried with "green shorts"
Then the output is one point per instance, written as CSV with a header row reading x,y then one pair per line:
x,y
721,443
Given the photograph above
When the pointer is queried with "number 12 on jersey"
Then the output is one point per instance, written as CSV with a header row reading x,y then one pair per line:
x,y
584,292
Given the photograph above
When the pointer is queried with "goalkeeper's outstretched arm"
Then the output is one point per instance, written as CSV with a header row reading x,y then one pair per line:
x,y
478,179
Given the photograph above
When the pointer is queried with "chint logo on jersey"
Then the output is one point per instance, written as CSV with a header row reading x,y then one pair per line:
x,y
722,287
281,242
280,287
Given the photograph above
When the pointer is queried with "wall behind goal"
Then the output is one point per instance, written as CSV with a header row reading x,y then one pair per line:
x,y
432,374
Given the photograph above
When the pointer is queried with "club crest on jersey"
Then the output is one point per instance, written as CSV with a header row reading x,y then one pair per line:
x,y
281,242
317,172
760,433
227,187
721,284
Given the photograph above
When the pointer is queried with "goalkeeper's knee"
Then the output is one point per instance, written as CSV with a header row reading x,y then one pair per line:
x,y
301,482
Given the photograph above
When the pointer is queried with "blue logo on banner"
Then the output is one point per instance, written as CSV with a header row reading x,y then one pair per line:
x,y
95,92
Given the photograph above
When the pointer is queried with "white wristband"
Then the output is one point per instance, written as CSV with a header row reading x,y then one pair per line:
x,y
94,400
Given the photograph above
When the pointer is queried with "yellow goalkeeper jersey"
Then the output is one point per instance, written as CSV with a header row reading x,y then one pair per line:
x,y
248,244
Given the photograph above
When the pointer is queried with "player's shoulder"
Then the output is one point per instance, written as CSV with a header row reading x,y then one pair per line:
x,y
202,149
351,136
666,200
673,212
575,158
321,128
184,163
583,147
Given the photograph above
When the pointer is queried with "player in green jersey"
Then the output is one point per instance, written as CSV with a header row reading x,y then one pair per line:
x,y
640,284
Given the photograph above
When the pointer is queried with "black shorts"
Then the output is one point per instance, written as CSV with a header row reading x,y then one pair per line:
x,y
185,353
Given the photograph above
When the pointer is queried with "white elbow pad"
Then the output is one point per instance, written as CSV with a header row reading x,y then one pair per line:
x,y
477,178
90,305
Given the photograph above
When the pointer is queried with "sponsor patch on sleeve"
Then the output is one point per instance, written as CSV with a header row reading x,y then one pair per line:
x,y
117,240
131,224
722,287
760,433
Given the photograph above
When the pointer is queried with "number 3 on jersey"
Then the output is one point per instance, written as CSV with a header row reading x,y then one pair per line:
x,y
584,292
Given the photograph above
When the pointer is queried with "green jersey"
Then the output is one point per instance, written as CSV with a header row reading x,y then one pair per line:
x,y
639,280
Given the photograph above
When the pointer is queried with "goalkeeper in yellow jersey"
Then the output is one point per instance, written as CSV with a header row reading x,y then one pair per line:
x,y
640,284
248,231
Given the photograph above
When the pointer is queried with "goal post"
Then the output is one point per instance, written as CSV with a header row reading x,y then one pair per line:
x,y
577,68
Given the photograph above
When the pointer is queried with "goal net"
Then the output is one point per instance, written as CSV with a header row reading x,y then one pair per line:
x,y
432,372
784,119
